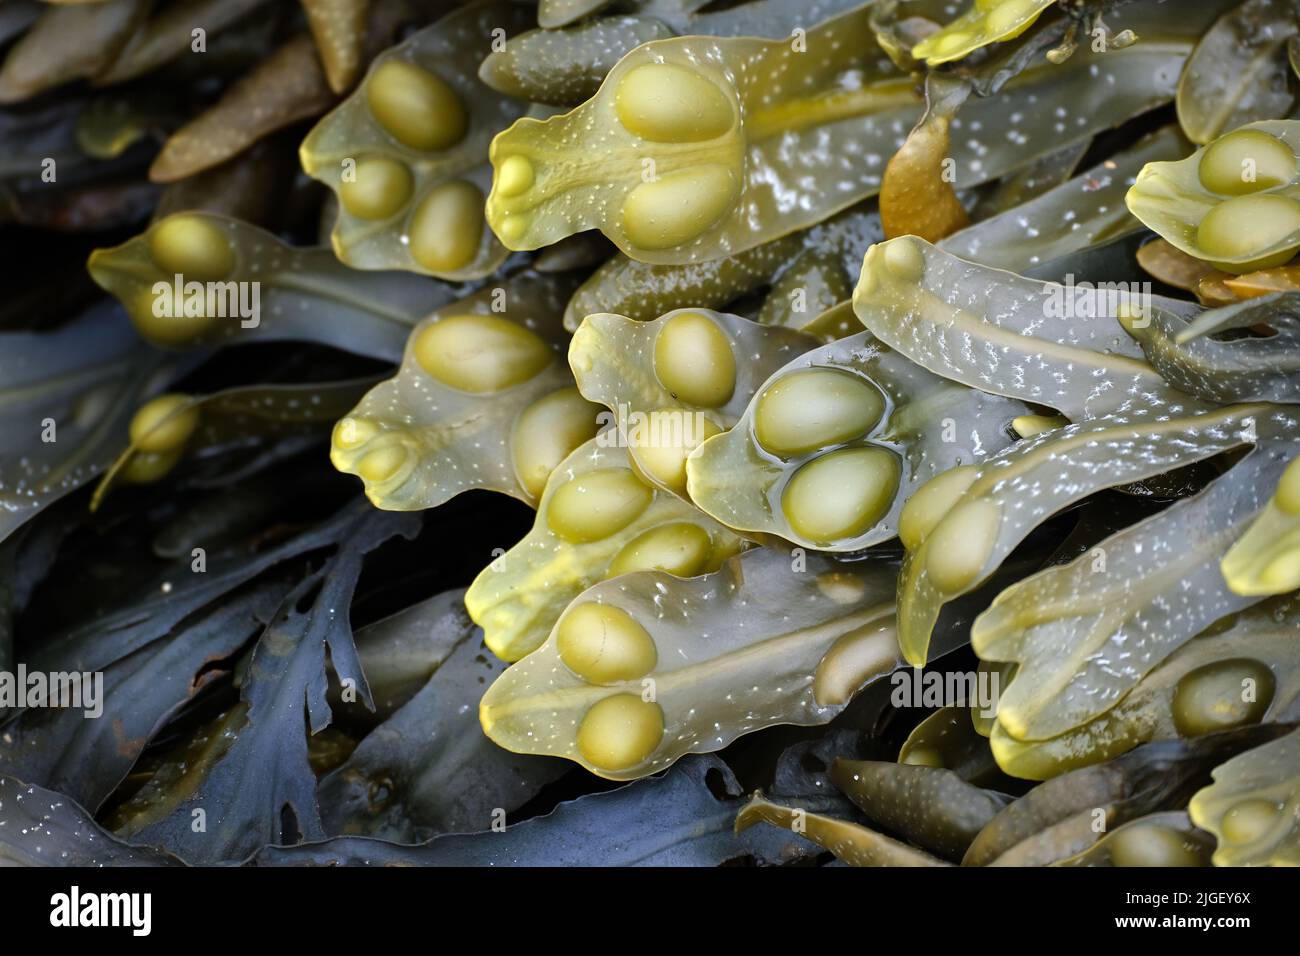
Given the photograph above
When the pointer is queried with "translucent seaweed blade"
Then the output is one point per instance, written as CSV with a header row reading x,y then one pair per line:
x,y
645,668
1084,211
404,783
193,425
1041,342
1253,806
809,286
774,19
1158,839
595,519
672,382
483,399
948,739
199,279
837,322
1234,203
565,67
755,161
984,23
677,819
65,400
1244,669
411,181
676,188
136,609
1266,559
1247,368
974,525
833,445
48,829
622,360
1238,72
1086,632
558,13
1035,179
1048,106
